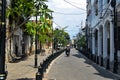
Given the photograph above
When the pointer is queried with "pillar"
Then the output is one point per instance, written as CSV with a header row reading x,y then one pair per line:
x,y
93,46
99,46
104,46
111,46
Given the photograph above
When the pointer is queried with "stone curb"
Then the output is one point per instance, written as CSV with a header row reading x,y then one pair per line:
x,y
49,67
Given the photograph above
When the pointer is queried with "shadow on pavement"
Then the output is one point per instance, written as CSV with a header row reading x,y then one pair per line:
x,y
25,79
23,57
77,55
102,72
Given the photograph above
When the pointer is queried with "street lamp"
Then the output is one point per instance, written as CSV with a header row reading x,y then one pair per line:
x,y
2,40
35,66
36,51
52,32
51,17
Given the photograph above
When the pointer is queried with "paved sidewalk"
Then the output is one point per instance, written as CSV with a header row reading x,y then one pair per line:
x,y
24,70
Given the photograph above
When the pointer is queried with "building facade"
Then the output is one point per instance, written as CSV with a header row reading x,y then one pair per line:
x,y
18,45
102,31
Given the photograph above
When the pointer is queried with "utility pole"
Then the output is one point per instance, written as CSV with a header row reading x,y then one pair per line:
x,y
2,39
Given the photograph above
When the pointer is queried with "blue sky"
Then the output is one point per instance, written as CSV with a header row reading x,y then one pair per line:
x,y
67,15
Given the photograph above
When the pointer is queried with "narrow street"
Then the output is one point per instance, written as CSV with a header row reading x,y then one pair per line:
x,y
78,67
33,34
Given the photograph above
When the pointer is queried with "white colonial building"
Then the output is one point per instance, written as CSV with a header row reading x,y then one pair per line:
x,y
102,31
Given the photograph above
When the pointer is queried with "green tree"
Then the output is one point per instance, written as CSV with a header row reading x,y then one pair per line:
x,y
81,41
43,27
20,11
61,37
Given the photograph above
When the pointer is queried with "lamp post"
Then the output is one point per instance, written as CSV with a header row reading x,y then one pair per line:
x,y
52,29
36,38
52,34
2,40
113,4
35,65
36,51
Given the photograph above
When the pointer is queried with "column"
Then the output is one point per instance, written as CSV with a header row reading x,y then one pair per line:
x,y
99,46
104,42
93,44
93,47
104,46
111,45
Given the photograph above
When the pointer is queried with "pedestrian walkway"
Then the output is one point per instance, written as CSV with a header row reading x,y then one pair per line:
x,y
78,67
24,70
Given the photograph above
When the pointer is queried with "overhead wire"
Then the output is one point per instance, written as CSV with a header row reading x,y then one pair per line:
x,y
69,13
75,5
62,27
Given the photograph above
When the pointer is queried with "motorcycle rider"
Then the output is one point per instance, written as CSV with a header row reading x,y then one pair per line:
x,y
68,50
